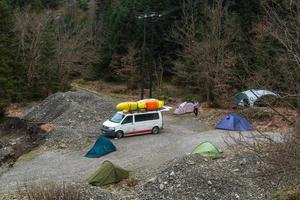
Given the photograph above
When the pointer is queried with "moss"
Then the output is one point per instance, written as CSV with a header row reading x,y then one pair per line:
x,y
291,193
30,155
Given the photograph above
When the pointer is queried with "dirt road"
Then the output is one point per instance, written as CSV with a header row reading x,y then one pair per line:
x,y
139,154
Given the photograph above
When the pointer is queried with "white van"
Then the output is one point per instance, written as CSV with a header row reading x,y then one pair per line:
x,y
136,123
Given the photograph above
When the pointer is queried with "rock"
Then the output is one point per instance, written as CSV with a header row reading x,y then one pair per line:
x,y
209,182
243,162
62,145
161,186
152,180
172,173
159,180
191,163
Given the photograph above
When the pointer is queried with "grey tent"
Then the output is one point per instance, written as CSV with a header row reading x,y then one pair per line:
x,y
185,107
251,96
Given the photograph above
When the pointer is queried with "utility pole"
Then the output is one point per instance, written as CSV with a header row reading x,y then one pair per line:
x,y
143,60
152,63
142,69
153,15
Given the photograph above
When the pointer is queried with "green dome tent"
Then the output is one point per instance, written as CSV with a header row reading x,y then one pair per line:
x,y
108,173
207,149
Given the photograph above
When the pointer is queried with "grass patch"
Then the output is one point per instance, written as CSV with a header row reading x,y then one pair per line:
x,y
31,155
52,191
292,193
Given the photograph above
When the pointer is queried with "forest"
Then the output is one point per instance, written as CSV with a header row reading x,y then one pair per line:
x,y
212,48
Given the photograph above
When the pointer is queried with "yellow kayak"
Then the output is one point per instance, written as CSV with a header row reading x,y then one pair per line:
x,y
145,104
127,106
142,104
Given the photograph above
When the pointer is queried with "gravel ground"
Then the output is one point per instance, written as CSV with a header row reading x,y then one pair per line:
x,y
77,125
142,155
193,177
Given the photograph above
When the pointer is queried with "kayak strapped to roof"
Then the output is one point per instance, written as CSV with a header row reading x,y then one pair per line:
x,y
145,104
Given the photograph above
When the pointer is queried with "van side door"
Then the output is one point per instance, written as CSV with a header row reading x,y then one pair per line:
x,y
145,122
127,125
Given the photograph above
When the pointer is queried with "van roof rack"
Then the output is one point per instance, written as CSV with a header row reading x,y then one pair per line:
x,y
140,111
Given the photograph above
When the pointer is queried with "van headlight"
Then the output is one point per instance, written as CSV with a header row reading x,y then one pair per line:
x,y
111,128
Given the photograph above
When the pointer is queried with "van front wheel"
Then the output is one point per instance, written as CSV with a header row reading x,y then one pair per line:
x,y
155,130
119,134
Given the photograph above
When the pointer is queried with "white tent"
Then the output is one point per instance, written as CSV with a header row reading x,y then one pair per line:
x,y
185,107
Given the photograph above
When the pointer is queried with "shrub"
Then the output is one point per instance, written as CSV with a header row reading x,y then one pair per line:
x,y
292,193
51,191
268,150
131,182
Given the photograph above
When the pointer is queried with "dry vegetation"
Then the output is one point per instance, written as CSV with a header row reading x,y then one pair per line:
x,y
292,193
51,191
262,118
116,90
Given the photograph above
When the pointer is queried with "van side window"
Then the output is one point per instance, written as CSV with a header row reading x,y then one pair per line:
x,y
127,120
155,116
146,117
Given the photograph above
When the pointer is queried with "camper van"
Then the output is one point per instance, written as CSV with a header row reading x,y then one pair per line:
x,y
133,123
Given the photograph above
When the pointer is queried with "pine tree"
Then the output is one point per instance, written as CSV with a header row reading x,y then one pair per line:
x,y
8,78
49,80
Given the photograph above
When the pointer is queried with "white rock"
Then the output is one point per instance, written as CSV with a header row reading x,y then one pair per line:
x,y
152,180
159,180
161,186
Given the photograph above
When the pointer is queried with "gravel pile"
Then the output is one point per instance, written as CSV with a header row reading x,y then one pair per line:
x,y
77,116
194,177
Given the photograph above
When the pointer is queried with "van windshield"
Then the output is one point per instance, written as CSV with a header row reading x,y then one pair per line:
x,y
117,118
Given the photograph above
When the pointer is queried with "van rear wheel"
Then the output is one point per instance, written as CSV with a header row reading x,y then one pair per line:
x,y
155,130
119,134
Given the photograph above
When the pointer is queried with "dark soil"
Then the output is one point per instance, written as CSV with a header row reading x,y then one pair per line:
x,y
17,137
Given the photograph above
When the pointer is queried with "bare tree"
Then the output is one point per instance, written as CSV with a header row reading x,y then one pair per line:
x,y
125,67
279,155
281,24
285,28
73,43
205,57
76,47
30,27
158,74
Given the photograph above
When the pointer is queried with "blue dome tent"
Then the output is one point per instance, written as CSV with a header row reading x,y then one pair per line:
x,y
102,147
234,122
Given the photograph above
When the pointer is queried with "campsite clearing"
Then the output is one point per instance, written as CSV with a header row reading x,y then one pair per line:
x,y
65,147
